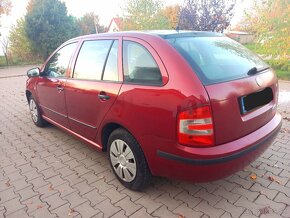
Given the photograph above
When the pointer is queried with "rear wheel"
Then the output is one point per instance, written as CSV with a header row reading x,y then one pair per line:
x,y
35,113
127,160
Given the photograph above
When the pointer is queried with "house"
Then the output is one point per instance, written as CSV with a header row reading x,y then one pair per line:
x,y
115,25
241,37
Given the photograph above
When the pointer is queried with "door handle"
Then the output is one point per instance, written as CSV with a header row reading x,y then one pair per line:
x,y
103,96
59,88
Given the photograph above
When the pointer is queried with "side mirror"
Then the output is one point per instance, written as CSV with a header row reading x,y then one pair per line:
x,y
34,72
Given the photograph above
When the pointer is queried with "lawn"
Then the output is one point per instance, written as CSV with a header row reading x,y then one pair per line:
x,y
281,73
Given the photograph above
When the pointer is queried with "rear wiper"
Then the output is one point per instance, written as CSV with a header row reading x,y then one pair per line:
x,y
254,70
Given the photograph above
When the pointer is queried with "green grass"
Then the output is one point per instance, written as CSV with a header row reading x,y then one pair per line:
x,y
284,75
281,66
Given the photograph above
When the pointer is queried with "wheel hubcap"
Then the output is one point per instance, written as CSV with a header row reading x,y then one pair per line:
x,y
33,110
123,160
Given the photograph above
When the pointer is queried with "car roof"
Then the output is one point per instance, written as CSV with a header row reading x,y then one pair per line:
x,y
161,33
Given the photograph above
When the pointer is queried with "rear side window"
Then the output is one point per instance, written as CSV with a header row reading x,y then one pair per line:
x,y
58,63
216,59
91,59
139,65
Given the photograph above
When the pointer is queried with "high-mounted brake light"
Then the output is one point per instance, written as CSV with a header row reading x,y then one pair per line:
x,y
195,127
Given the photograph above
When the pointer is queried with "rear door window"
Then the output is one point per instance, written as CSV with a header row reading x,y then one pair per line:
x,y
216,59
139,65
111,69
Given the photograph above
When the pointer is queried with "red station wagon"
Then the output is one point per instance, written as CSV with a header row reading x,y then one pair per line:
x,y
194,106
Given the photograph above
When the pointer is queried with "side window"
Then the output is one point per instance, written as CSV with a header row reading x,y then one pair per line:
x,y
139,65
111,69
58,63
91,59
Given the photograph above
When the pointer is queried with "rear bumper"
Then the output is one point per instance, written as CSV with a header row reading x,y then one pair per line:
x,y
206,164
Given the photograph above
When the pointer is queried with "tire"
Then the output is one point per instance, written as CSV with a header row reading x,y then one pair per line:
x,y
127,160
35,113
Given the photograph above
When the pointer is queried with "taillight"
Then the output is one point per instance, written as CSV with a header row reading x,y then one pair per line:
x,y
195,127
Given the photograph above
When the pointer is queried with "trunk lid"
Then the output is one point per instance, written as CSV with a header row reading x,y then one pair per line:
x,y
242,106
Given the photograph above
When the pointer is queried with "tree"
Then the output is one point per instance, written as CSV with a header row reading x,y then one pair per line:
x,y
5,6
270,23
89,24
172,15
144,15
47,25
20,46
4,45
206,15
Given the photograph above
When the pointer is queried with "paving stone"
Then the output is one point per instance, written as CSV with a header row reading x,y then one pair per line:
x,y
12,205
250,195
26,193
107,208
240,181
65,189
164,212
56,181
73,179
204,207
7,195
232,209
249,205
121,214
101,185
286,212
65,171
184,211
94,197
270,193
42,212
86,210
188,199
274,185
20,213
46,191
54,201
230,196
33,204
210,198
20,184
113,195
170,203
65,211
83,187
140,213
128,206
75,199
38,182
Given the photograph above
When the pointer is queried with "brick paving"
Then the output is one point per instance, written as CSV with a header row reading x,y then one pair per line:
x,y
45,172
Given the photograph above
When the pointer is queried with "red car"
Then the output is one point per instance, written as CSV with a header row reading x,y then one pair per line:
x,y
195,106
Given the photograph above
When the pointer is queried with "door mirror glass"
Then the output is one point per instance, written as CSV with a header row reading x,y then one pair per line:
x,y
34,72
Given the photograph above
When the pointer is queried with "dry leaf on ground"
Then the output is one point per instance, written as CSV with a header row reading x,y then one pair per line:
x,y
253,176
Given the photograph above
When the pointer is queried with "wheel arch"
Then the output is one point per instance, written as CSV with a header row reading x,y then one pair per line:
x,y
28,94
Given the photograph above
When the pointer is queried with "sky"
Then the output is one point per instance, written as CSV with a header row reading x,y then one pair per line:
x,y
106,9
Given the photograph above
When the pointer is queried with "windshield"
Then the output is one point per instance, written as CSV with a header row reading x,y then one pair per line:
x,y
216,59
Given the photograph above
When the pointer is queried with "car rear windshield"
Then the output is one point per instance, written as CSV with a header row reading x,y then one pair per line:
x,y
217,59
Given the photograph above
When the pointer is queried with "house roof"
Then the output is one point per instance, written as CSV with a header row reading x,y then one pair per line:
x,y
118,22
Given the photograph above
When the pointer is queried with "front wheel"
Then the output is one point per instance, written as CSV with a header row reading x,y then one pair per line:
x,y
127,160
35,113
